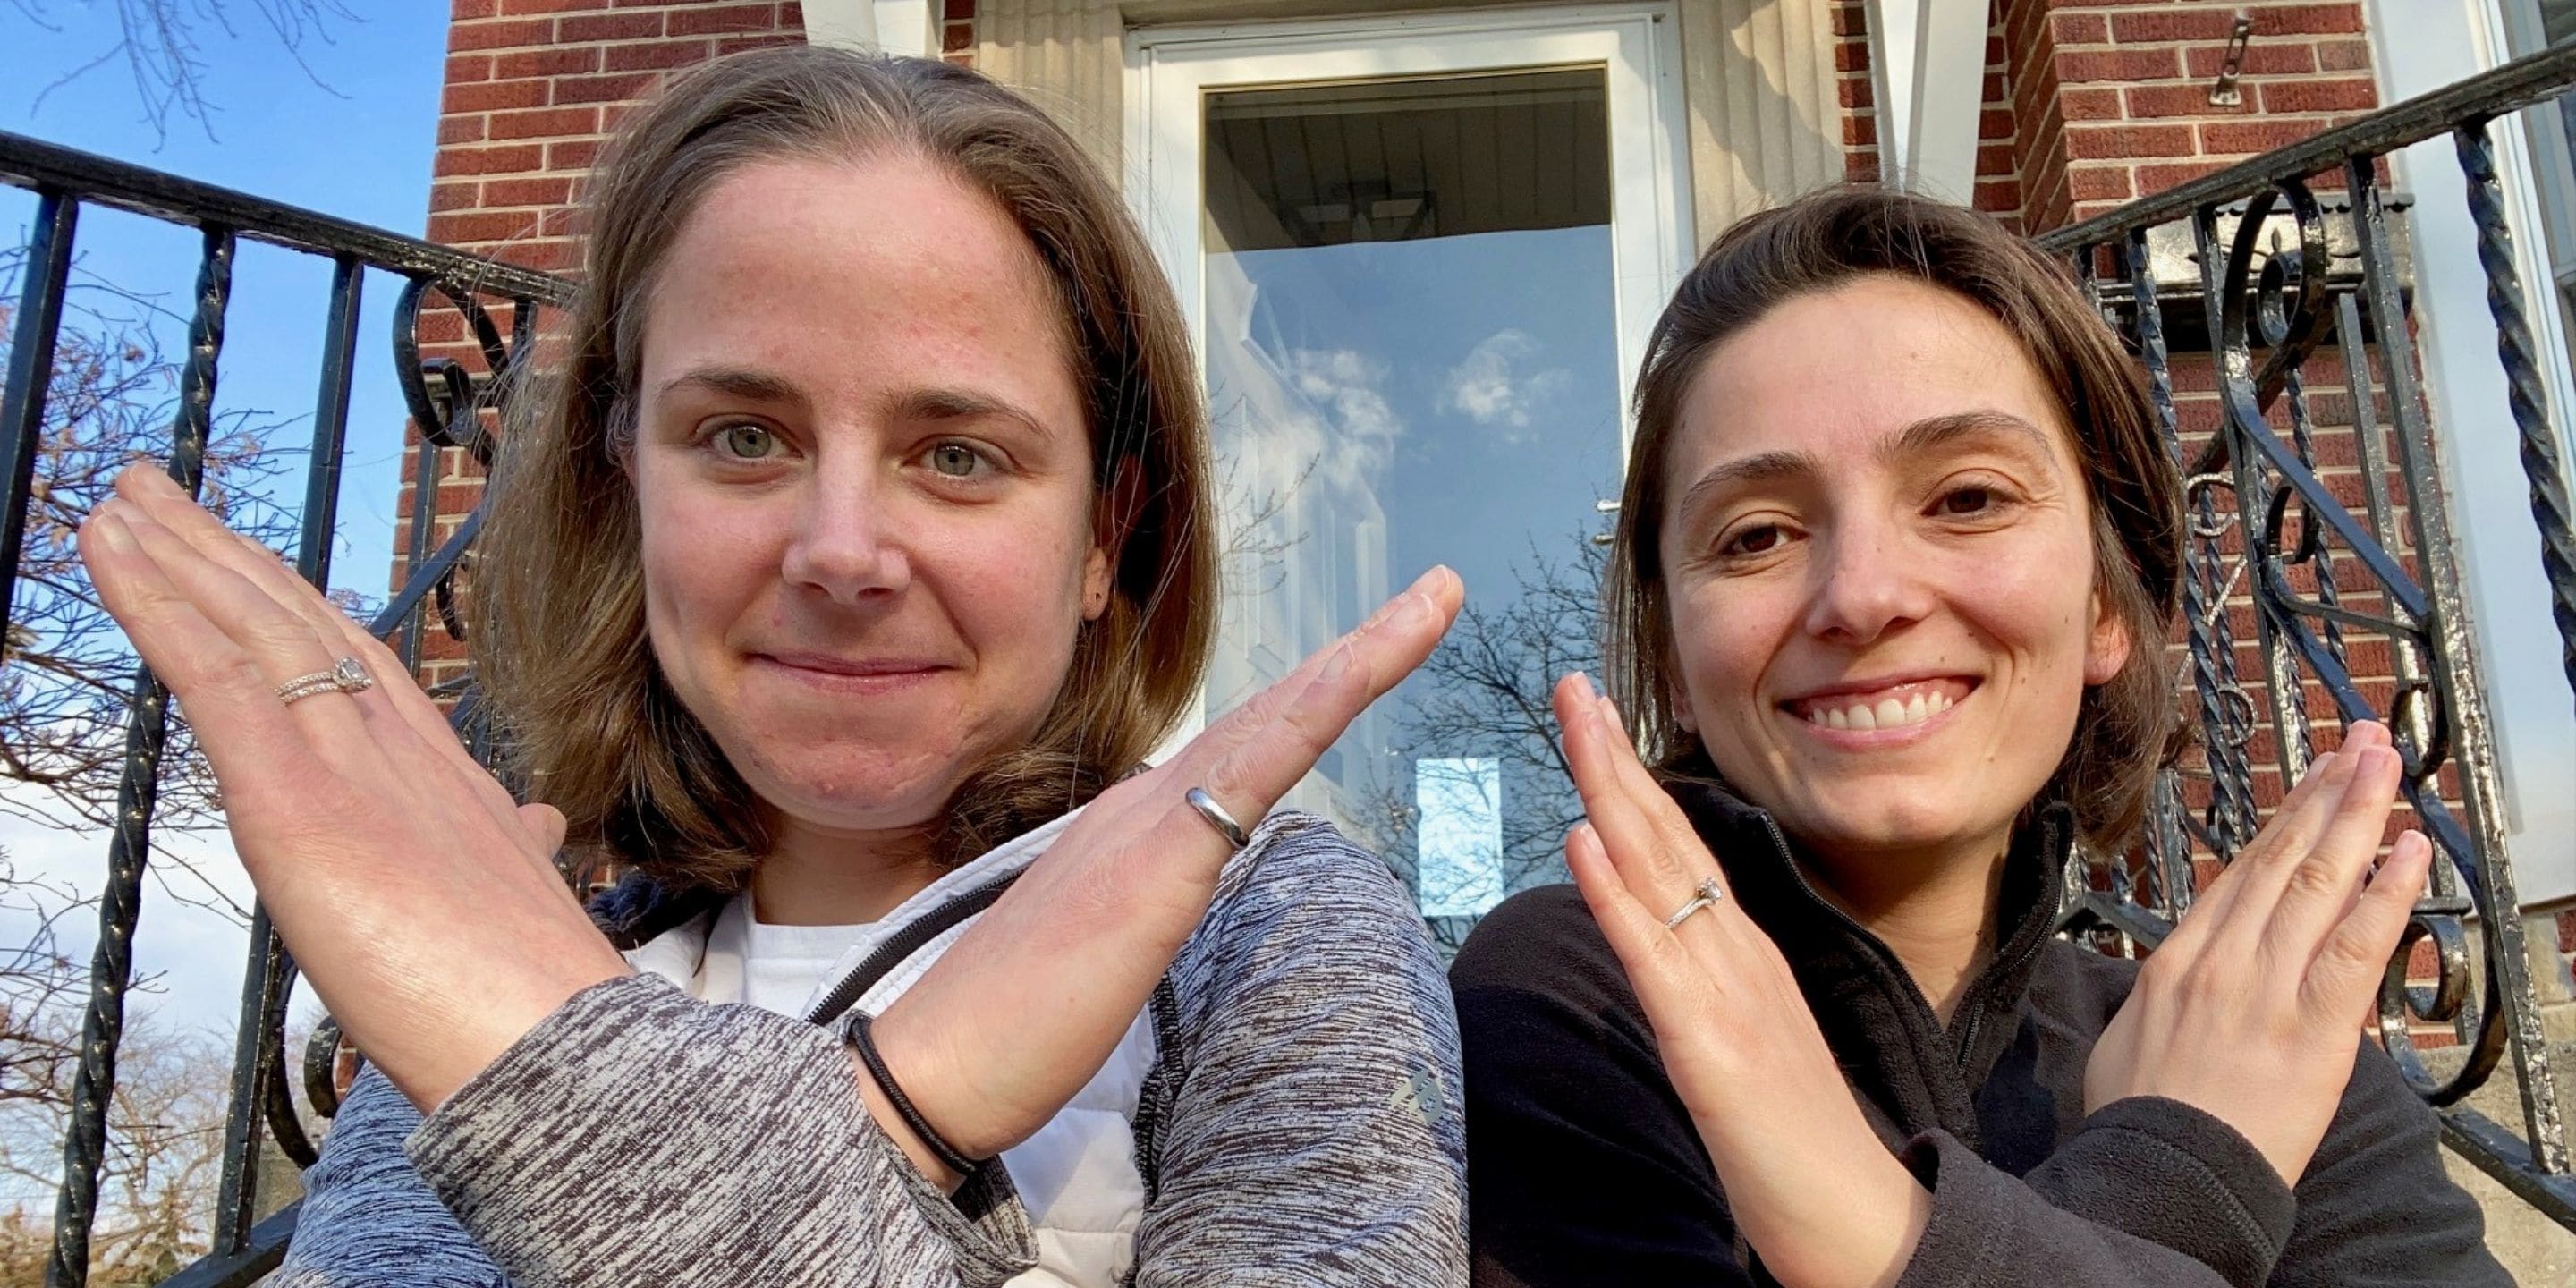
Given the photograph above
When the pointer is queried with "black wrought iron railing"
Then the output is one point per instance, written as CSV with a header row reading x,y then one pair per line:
x,y
2294,277
446,399
2277,554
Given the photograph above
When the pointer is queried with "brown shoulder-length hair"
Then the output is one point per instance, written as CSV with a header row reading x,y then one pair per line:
x,y
563,656
2126,728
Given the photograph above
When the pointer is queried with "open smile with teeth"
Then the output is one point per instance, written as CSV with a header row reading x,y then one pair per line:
x,y
1894,707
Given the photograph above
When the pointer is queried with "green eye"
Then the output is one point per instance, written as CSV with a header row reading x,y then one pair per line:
x,y
746,441
956,460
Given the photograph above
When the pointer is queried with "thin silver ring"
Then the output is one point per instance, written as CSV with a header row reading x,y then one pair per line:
x,y
348,675
1706,896
1217,817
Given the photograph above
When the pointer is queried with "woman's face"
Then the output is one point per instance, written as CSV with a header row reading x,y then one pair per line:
x,y
1879,554
865,485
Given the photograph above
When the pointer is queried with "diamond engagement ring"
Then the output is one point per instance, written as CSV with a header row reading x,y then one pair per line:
x,y
348,675
1706,896
1217,817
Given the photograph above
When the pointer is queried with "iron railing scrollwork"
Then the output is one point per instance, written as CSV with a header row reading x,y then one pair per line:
x,y
447,400
2326,573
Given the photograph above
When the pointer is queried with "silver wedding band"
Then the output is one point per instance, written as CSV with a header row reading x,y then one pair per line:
x,y
1217,817
1706,896
348,675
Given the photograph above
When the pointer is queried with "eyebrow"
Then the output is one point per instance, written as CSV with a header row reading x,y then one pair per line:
x,y
1929,434
748,383
752,384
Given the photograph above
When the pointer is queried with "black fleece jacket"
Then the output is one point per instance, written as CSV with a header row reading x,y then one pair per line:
x,y
1585,1169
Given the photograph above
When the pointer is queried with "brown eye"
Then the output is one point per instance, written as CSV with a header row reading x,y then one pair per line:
x,y
1968,500
1754,541
746,441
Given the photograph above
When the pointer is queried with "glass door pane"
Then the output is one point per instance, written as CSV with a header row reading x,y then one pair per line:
x,y
1411,349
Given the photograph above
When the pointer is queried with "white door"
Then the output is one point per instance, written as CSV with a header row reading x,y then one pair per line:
x,y
1420,258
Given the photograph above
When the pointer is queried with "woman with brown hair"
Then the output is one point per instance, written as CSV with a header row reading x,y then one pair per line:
x,y
838,584
1896,564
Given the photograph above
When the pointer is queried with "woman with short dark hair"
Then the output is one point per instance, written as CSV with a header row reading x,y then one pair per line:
x,y
1895,569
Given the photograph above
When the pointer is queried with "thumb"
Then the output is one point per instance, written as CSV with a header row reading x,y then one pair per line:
x,y
546,823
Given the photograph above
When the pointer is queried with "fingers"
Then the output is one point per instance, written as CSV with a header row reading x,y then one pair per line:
x,y
2251,884
545,823
152,493
237,720
1251,759
2347,970
1655,961
1623,804
2320,887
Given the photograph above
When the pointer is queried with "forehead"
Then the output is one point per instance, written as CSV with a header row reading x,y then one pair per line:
x,y
1835,374
861,270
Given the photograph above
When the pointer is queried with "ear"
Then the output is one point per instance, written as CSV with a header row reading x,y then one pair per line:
x,y
2107,644
1117,514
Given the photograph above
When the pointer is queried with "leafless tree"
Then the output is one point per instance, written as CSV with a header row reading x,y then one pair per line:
x,y
66,674
162,45
1484,693
164,1151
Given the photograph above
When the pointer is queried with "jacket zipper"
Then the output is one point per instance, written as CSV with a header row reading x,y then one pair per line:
x,y
1975,1001
904,943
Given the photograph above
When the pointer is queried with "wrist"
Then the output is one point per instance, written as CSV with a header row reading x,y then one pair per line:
x,y
925,1160
1824,1202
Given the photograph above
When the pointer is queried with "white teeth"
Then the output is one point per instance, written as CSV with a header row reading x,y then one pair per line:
x,y
1886,713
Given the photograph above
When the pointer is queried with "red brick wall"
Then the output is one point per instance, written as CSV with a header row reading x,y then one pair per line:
x,y
2089,103
1998,185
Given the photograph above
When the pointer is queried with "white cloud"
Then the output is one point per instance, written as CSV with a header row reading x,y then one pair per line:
x,y
1347,386
1493,386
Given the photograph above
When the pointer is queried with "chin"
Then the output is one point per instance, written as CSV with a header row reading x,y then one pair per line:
x,y
855,786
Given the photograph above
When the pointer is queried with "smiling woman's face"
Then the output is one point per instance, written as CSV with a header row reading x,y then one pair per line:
x,y
865,486
1879,561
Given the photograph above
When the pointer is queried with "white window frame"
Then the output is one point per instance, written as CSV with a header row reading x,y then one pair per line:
x,y
2492,532
1170,70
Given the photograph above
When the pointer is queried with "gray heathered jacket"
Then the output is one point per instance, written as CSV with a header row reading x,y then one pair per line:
x,y
1302,1127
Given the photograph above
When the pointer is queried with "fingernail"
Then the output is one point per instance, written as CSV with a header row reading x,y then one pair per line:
x,y
1584,680
111,531
1412,608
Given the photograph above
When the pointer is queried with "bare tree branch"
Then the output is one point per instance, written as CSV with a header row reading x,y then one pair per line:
x,y
161,45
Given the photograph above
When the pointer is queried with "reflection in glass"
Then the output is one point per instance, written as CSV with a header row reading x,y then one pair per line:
x,y
1411,359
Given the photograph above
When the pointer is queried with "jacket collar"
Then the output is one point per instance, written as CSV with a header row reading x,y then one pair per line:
x,y
1855,982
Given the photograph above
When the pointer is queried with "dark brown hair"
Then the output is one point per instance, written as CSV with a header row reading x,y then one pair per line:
x,y
564,657
2126,728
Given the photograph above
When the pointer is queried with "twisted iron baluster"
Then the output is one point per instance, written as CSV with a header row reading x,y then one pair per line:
x,y
129,849
2550,507
2231,775
2171,844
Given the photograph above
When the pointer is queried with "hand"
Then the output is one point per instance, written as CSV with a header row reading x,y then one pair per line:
x,y
1808,1182
2251,1008
995,1039
419,898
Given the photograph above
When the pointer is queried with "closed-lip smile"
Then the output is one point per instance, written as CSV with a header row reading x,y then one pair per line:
x,y
865,673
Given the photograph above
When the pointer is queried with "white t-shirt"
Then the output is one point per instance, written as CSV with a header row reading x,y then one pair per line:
x,y
776,968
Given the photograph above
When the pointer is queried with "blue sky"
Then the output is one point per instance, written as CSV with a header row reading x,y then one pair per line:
x,y
350,132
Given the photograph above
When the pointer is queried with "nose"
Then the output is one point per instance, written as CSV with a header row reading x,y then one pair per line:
x,y
844,547
1867,584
